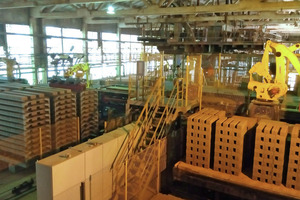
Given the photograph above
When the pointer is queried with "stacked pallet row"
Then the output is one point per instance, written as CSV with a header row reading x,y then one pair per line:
x,y
87,110
200,135
63,115
269,151
293,175
229,143
25,131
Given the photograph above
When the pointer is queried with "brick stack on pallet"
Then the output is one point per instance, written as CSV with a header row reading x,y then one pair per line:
x,y
87,110
293,175
25,131
200,137
229,143
63,115
269,151
242,145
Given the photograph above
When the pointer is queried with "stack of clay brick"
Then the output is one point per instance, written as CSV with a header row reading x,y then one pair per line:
x,y
25,131
87,110
200,137
269,151
229,143
63,115
293,175
217,142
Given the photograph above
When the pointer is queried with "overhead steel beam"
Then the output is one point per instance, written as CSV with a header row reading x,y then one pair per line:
x,y
113,21
243,6
27,4
192,18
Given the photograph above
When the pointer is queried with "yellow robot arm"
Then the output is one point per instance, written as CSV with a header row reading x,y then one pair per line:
x,y
273,89
10,63
79,70
262,68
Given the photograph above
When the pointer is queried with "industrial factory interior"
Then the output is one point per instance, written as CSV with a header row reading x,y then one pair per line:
x,y
149,99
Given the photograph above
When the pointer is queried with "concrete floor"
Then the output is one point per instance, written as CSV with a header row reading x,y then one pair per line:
x,y
9,180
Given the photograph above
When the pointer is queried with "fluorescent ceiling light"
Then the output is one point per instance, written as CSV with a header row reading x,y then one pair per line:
x,y
110,10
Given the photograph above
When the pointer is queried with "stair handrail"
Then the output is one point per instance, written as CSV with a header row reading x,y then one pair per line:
x,y
170,107
139,123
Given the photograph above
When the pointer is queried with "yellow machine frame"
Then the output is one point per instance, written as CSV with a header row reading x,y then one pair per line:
x,y
10,63
79,70
271,89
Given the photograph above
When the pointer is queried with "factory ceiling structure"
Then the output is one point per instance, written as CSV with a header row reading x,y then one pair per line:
x,y
192,25
122,89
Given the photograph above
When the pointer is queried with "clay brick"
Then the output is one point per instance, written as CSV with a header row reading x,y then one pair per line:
x,y
199,136
269,151
229,143
293,175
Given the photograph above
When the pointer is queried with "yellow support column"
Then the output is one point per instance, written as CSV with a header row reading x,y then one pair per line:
x,y
200,82
161,77
219,70
129,86
177,92
78,130
161,64
158,168
187,80
41,143
286,76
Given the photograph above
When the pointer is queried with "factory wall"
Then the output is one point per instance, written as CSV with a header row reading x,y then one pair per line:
x,y
15,16
64,23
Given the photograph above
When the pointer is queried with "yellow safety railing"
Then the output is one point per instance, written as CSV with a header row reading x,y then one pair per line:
x,y
141,127
145,82
167,116
130,87
148,157
179,91
123,161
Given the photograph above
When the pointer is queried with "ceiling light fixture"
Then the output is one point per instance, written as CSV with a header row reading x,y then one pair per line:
x,y
110,10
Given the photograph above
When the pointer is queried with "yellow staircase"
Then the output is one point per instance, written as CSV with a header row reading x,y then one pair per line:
x,y
135,167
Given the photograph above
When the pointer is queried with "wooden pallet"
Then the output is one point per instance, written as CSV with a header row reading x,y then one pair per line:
x,y
87,104
62,111
22,115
